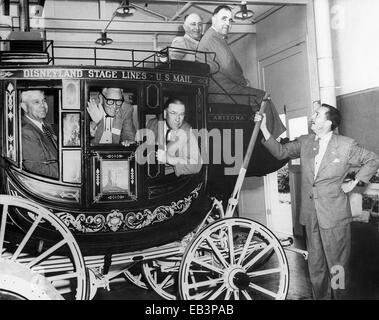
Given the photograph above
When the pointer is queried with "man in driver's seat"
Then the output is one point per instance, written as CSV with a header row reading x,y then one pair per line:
x,y
111,118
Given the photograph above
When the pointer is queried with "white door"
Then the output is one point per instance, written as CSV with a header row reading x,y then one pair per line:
x,y
285,77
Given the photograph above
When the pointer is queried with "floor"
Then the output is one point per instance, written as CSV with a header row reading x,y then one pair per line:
x,y
365,271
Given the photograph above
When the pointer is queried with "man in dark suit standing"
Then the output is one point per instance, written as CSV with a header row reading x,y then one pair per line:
x,y
39,143
325,210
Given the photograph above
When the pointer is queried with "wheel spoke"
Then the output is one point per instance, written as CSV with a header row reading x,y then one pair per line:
x,y
263,290
217,252
208,266
263,272
246,295
228,294
63,276
236,295
246,246
162,285
200,296
2,227
205,283
27,237
218,292
231,244
46,253
258,256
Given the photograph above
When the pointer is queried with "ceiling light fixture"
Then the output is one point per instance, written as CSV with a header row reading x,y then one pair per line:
x,y
125,9
103,40
244,13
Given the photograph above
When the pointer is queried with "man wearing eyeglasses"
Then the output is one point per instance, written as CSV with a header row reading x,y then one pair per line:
x,y
111,119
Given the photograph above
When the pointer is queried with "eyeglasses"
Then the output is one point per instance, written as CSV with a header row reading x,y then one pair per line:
x,y
111,102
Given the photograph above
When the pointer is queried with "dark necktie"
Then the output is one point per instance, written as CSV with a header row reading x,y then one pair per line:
x,y
47,132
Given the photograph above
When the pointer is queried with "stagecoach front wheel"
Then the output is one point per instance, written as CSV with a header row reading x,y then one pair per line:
x,y
234,258
31,268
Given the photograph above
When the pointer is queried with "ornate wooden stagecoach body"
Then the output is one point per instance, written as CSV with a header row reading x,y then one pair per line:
x,y
110,203
133,213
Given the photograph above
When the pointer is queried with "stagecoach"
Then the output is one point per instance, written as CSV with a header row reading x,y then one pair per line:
x,y
108,214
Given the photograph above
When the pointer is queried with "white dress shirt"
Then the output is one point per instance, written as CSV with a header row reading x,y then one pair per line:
x,y
37,123
323,144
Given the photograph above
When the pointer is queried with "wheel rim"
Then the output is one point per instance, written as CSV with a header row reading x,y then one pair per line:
x,y
234,258
58,276
162,275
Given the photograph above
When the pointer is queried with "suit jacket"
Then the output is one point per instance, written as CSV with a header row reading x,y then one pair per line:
x,y
228,74
185,42
39,155
183,144
323,194
122,121
224,66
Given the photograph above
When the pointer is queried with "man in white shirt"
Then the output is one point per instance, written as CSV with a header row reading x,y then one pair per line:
x,y
325,211
39,143
193,27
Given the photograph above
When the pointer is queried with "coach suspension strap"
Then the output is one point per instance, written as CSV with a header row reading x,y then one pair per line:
x,y
233,200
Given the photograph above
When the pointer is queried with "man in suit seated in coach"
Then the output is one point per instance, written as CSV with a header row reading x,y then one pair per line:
x,y
179,149
111,119
39,143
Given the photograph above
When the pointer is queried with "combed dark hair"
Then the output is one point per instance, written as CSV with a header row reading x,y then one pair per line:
x,y
173,100
333,115
220,7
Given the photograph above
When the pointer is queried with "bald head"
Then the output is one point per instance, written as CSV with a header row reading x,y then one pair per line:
x,y
193,26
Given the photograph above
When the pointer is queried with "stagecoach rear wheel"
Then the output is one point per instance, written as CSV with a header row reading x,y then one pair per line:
x,y
234,258
33,269
162,274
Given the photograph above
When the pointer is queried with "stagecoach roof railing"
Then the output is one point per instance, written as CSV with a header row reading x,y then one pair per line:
x,y
97,56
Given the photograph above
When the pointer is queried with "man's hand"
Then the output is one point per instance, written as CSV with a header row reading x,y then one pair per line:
x,y
161,156
95,111
127,143
349,186
262,118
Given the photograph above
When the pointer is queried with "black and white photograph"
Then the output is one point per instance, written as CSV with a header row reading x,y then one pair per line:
x,y
172,150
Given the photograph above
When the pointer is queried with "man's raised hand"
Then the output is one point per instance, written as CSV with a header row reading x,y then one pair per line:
x,y
95,111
